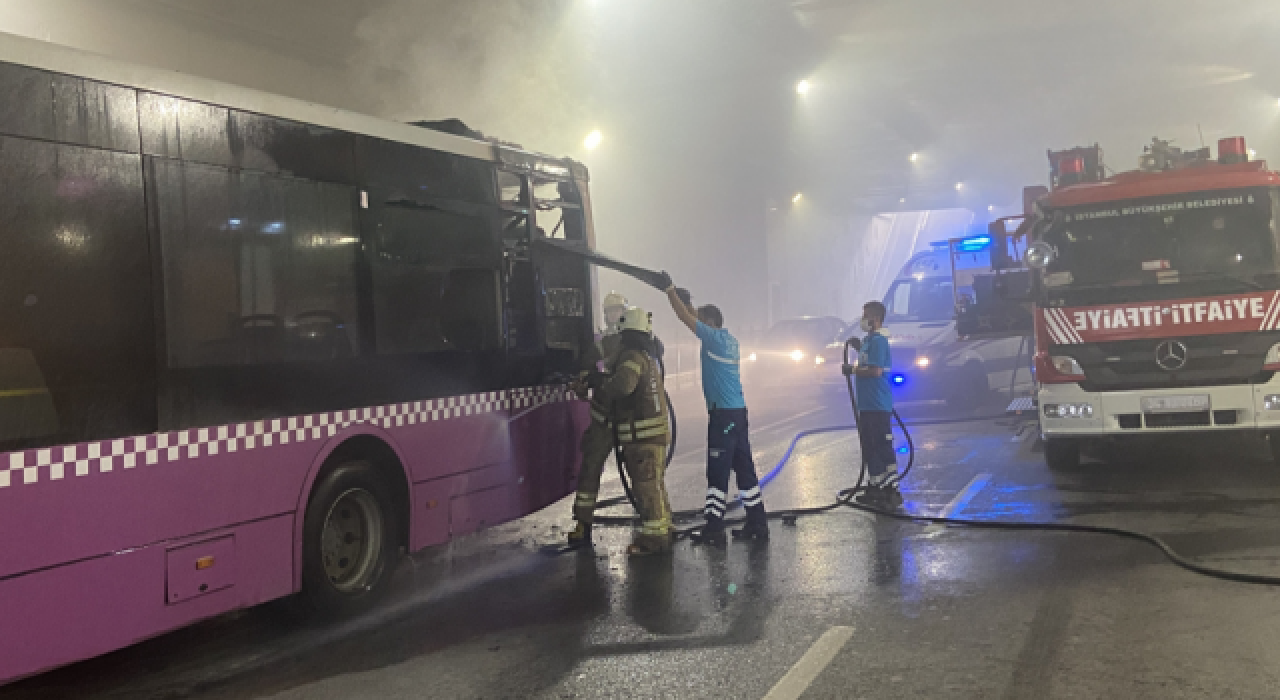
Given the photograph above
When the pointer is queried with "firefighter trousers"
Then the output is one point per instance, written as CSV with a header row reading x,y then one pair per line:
x,y
646,467
596,445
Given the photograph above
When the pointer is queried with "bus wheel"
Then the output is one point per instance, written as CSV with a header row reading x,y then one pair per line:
x,y
1061,453
349,543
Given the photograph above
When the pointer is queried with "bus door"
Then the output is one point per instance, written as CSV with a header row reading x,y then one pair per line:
x,y
521,297
560,213
984,268
548,291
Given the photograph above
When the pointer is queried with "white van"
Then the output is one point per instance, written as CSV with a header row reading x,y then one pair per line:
x,y
932,360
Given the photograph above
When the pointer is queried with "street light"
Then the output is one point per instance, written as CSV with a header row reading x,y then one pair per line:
x,y
796,199
803,87
593,139
913,157
959,186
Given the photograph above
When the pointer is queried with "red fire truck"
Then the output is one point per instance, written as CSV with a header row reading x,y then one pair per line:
x,y
1154,292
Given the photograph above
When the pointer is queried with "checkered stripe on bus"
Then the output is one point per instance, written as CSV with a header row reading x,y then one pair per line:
x,y
64,461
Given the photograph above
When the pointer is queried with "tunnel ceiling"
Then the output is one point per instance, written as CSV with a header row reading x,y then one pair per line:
x,y
980,89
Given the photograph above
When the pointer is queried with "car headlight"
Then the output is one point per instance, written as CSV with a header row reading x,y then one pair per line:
x,y
797,355
922,362
819,359
1068,410
751,357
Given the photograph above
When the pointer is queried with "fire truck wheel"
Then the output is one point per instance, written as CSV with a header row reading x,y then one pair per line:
x,y
1061,453
349,543
1273,439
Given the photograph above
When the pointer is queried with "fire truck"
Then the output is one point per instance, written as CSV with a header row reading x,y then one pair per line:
x,y
1153,295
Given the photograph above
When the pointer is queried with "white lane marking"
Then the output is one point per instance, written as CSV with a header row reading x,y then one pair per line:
x,y
958,503
814,661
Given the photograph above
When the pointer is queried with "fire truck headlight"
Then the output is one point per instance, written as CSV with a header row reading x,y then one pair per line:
x,y
819,359
1065,364
751,357
1272,360
797,355
922,362
1271,402
1040,255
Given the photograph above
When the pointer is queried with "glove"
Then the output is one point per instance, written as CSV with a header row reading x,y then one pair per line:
x,y
663,281
685,296
596,379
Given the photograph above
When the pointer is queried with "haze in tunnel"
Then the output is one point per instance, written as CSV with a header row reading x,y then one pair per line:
x,y
704,139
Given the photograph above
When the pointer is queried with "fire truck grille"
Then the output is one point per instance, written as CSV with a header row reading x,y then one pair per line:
x,y
1231,358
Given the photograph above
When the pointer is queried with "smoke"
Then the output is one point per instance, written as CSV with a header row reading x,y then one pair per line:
x,y
515,69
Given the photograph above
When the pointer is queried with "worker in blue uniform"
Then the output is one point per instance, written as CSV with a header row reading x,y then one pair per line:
x,y
728,444
875,407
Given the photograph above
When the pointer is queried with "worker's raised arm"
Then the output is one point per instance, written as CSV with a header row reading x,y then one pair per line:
x,y
685,314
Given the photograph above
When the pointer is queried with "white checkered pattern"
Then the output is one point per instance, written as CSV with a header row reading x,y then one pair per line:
x,y
62,462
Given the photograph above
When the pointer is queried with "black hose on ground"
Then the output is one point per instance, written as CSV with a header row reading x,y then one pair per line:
x,y
844,499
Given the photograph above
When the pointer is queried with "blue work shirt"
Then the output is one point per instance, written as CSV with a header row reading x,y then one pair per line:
x,y
873,392
721,381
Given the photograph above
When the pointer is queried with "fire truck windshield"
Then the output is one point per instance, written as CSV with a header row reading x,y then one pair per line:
x,y
1217,242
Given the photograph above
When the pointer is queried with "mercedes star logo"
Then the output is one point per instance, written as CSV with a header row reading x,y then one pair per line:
x,y
1171,355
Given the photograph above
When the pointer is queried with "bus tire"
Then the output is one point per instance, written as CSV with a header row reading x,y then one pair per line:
x,y
349,541
1061,454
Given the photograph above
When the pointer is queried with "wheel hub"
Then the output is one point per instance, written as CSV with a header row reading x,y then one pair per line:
x,y
351,541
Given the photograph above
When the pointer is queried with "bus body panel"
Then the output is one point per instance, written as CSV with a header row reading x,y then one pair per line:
x,y
78,610
114,591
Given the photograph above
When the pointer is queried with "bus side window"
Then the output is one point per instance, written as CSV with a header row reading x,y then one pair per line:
x,y
67,109
258,269
435,278
26,406
75,295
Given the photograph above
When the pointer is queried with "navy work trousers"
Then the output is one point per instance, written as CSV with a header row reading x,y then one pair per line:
x,y
729,450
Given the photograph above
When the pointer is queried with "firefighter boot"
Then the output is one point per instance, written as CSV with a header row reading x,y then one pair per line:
x,y
581,536
647,545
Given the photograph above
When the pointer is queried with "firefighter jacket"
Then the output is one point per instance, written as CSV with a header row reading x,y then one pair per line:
x,y
639,403
603,355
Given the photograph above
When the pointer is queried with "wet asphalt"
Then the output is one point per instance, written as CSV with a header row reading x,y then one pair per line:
x,y
919,611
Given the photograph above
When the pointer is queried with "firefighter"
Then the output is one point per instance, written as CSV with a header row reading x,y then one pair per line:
x,y
634,392
597,440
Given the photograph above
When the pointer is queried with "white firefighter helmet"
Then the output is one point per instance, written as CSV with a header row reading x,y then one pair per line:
x,y
636,319
614,300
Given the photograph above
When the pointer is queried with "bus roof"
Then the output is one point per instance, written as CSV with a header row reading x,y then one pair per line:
x,y
54,58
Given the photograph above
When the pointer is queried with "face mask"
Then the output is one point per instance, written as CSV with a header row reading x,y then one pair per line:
x,y
865,325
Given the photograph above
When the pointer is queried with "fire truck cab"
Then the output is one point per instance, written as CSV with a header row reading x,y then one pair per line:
x,y
1154,297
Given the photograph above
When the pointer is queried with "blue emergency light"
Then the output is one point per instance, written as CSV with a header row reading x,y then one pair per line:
x,y
898,379
969,245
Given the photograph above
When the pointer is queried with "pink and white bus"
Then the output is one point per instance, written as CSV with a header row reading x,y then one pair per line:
x,y
252,347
